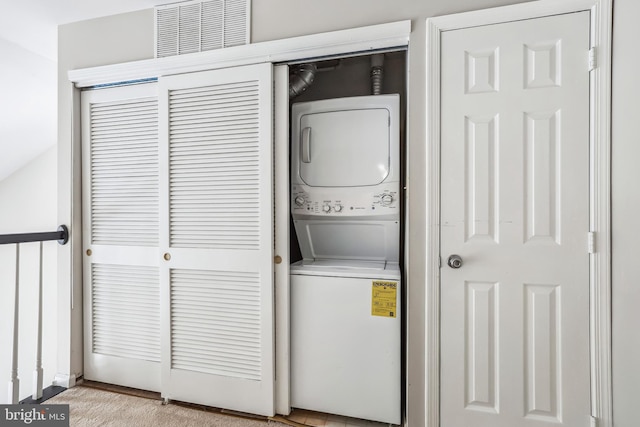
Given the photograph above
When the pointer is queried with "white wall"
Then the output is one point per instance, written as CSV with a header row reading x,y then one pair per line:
x,y
130,37
29,199
115,39
626,213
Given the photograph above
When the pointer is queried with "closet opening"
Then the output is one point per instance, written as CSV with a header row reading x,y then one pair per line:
x,y
347,167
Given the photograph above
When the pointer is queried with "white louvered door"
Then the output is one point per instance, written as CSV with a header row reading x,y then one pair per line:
x,y
120,236
217,238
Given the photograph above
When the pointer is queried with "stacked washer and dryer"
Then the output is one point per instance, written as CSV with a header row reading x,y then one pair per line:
x,y
345,292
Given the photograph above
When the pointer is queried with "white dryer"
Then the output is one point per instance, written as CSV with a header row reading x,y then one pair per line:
x,y
345,178
345,293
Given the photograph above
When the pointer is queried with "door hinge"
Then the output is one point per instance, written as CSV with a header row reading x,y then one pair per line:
x,y
594,421
593,59
591,242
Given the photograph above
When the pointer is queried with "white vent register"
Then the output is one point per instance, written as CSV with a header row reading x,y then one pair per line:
x,y
197,26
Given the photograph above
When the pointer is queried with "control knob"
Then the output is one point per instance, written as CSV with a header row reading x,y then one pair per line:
x,y
337,208
386,199
326,208
299,200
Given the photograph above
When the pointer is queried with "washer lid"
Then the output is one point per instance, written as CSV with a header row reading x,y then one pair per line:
x,y
346,268
344,264
333,239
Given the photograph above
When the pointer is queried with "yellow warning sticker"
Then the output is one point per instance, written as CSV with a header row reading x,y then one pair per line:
x,y
383,298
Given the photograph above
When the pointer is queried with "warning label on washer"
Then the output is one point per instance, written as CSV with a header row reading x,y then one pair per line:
x,y
383,298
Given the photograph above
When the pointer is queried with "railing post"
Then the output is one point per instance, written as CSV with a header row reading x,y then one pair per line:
x,y
37,374
14,382
62,236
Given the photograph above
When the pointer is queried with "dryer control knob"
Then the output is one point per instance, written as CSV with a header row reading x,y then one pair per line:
x,y
299,200
337,208
326,208
386,199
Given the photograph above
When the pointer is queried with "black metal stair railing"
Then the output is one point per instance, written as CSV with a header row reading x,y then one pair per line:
x,y
62,236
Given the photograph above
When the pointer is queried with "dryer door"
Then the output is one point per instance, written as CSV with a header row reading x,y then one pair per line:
x,y
345,148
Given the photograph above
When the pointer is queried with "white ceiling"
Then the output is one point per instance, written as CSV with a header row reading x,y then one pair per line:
x,y
28,56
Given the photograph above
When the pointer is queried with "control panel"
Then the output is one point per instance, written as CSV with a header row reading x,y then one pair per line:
x,y
344,202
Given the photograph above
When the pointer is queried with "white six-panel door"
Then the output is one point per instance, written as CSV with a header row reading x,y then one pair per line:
x,y
216,186
515,208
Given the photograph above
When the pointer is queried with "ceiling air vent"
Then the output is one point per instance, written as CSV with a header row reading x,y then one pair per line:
x,y
196,26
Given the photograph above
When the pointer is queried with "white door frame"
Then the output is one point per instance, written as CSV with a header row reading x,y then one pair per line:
x,y
600,190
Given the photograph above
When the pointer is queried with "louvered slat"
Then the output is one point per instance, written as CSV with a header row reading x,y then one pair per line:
x,y
189,28
214,167
235,19
215,323
126,311
212,24
166,32
124,172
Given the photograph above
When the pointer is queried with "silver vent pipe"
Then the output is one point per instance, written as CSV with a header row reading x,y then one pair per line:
x,y
302,78
377,62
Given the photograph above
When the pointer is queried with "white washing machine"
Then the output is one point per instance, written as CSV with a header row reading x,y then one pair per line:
x,y
345,293
345,336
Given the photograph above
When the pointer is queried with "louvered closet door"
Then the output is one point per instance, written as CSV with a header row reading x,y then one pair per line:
x,y
120,236
217,238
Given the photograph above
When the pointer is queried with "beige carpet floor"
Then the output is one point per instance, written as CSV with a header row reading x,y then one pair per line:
x,y
92,407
